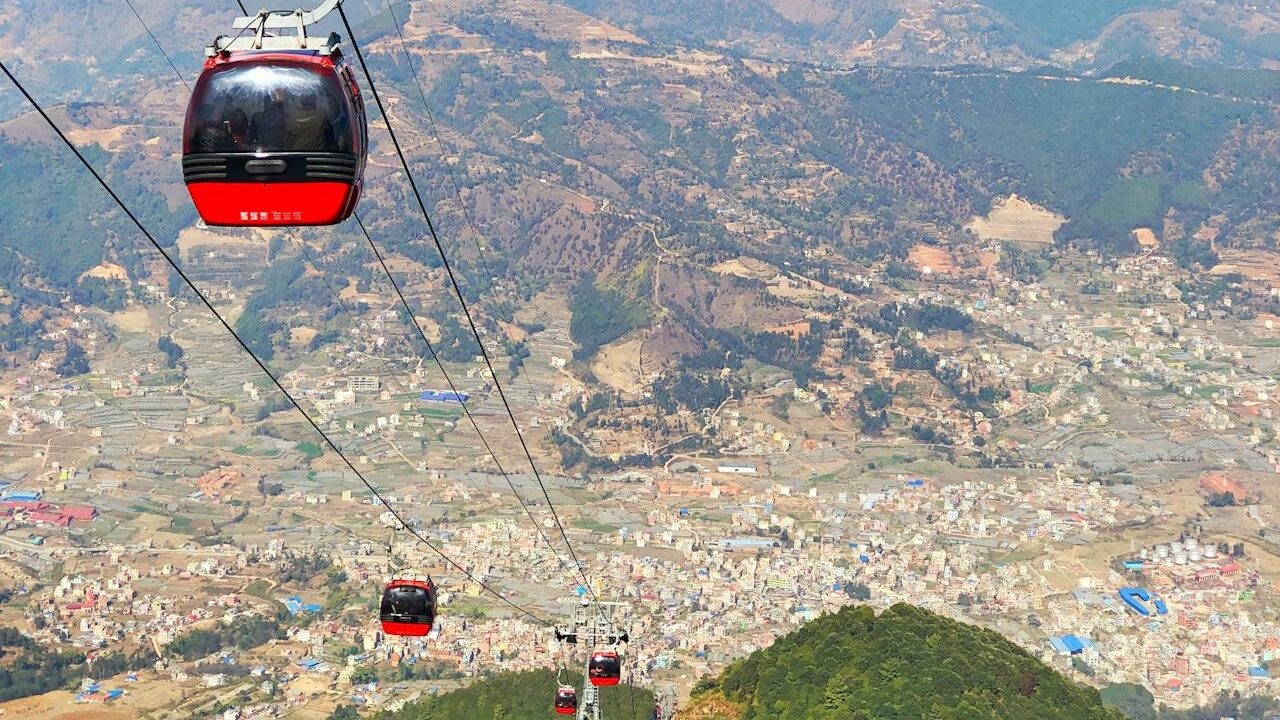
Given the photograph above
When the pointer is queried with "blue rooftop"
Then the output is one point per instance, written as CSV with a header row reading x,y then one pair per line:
x,y
444,396
295,605
22,495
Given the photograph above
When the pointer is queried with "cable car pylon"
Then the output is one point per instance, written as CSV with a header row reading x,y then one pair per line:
x,y
593,625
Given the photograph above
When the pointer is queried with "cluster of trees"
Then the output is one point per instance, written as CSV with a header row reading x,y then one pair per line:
x,y
243,633
1190,253
876,397
456,342
1137,703
690,389
75,362
520,696
36,671
254,326
600,316
858,591
110,295
905,663
172,351
925,317
795,353
930,435
302,568
571,453
914,357
873,423
27,668
1022,265
968,392
1222,499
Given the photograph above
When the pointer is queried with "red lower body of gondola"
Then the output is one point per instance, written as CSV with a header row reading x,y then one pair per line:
x,y
406,629
265,204
605,681
566,710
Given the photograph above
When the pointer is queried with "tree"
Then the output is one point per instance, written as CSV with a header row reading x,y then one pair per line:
x,y
858,591
76,362
173,352
1222,499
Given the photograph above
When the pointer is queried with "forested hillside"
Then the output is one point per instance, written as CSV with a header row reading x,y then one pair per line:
x,y
620,165
904,663
520,696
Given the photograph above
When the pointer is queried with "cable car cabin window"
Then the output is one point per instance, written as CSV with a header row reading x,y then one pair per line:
x,y
264,108
408,604
604,669
566,701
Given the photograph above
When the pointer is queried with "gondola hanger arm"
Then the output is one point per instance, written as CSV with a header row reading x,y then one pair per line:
x,y
288,19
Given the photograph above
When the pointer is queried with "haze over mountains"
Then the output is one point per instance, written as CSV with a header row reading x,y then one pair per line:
x,y
699,132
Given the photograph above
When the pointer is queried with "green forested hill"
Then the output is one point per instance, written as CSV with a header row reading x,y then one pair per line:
x,y
520,696
905,663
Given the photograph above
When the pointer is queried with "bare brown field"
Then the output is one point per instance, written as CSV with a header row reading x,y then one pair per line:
x,y
935,259
1256,265
142,697
109,138
1017,220
698,64
106,271
133,320
193,237
302,336
746,267
618,365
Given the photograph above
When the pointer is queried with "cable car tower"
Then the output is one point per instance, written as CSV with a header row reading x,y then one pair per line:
x,y
594,626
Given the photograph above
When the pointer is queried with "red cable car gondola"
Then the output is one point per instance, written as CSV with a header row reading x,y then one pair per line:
x,y
566,700
275,131
408,607
605,669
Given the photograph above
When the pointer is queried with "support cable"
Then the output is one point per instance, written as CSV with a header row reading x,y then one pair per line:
x,y
386,364
453,177
454,388
261,365
157,44
461,299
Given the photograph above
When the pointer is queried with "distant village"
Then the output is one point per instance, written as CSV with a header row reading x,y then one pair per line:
x,y
142,505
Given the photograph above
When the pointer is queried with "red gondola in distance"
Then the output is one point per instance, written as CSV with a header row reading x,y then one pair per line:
x,y
275,131
408,607
566,700
605,669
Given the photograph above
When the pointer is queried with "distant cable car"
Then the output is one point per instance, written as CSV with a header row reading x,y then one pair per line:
x,y
605,669
566,700
408,607
275,132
